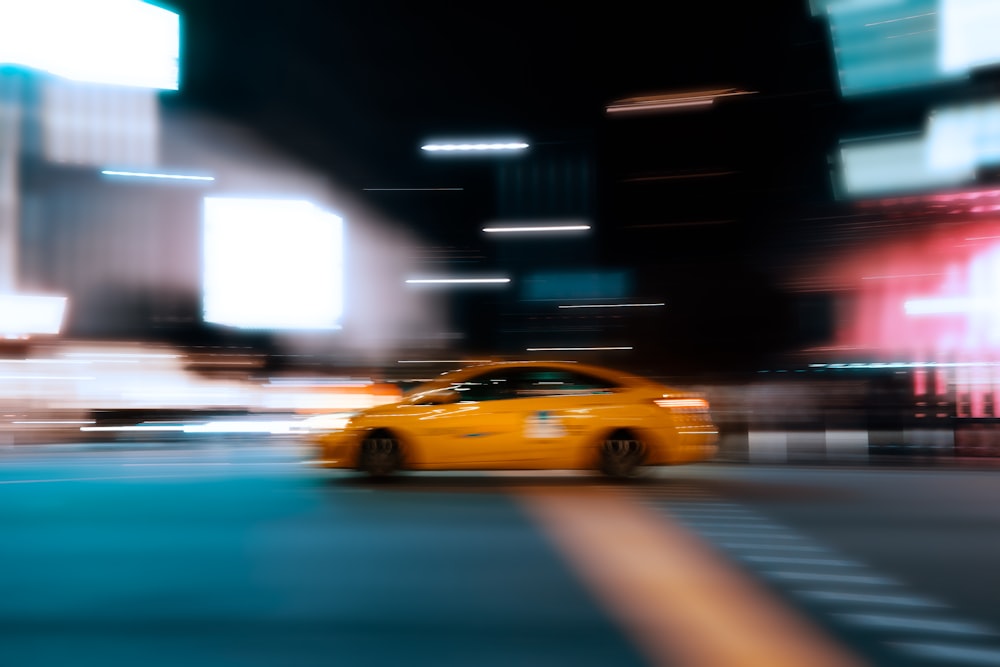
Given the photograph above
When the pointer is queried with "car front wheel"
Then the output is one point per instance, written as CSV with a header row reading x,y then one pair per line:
x,y
381,454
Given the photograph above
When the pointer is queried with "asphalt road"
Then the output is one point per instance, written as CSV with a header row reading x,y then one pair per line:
x,y
237,552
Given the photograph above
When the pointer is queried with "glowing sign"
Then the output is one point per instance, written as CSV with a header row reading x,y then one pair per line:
x,y
968,34
966,136
272,264
897,165
91,124
933,296
955,143
118,42
884,45
24,315
546,285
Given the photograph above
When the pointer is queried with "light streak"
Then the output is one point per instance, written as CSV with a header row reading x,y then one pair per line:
x,y
55,422
413,189
141,174
902,18
444,361
568,349
482,146
546,228
911,34
700,98
613,305
455,281
124,355
634,108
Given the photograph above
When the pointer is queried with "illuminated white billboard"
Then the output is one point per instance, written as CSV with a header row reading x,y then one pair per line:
x,y
25,315
957,141
968,34
271,264
117,42
893,166
891,45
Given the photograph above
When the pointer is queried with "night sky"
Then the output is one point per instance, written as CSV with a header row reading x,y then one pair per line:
x,y
354,88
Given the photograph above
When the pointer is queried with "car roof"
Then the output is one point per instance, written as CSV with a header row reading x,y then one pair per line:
x,y
605,372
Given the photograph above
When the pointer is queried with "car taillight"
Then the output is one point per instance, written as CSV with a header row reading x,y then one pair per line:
x,y
683,404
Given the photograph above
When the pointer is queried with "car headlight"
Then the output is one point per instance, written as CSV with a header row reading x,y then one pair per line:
x,y
327,422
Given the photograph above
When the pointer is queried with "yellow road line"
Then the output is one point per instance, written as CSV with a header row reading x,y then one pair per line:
x,y
682,602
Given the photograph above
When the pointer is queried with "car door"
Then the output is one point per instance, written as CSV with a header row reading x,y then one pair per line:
x,y
558,410
480,428
522,417
516,432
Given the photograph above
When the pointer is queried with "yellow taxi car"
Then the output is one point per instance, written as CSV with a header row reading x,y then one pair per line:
x,y
526,416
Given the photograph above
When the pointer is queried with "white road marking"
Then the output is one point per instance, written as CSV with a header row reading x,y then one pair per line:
x,y
869,598
55,480
720,520
794,560
953,655
758,535
875,580
763,535
682,495
764,546
683,603
720,512
944,625
753,524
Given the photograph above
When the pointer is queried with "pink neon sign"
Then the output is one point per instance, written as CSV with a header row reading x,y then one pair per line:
x,y
932,297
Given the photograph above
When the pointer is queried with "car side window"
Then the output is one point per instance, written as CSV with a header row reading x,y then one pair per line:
x,y
530,383
560,382
492,386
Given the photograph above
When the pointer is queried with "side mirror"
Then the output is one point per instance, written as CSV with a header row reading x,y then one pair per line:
x,y
439,397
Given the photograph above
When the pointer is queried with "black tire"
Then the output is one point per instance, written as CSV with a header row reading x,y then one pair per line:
x,y
380,455
621,454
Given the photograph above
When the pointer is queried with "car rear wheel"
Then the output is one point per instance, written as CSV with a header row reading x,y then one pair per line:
x,y
621,454
381,454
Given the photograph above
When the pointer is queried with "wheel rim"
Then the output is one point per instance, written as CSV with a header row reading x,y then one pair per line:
x,y
621,455
380,455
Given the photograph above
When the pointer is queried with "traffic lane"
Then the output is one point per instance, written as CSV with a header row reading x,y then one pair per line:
x,y
901,559
318,613
678,598
230,567
938,528
872,610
